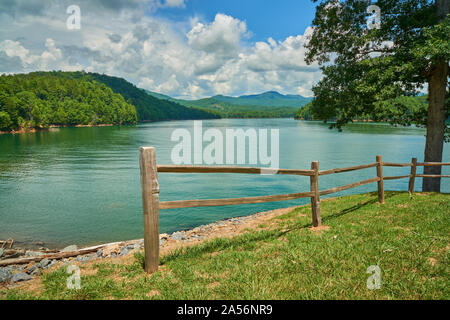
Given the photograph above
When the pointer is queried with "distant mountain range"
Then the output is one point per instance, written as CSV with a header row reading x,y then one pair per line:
x,y
264,104
269,99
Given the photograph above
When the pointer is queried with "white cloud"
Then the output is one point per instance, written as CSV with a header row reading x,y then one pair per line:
x,y
29,62
118,39
14,49
286,55
222,36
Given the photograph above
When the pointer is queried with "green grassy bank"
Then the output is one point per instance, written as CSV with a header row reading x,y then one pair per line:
x,y
285,259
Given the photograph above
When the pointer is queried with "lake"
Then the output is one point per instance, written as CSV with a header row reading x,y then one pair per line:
x,y
81,185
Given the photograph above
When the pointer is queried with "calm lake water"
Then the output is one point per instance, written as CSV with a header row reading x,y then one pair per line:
x,y
81,185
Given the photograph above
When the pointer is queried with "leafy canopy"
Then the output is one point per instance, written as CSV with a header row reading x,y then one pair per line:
x,y
38,100
366,70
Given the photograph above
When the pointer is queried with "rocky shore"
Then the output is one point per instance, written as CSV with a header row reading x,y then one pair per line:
x,y
29,264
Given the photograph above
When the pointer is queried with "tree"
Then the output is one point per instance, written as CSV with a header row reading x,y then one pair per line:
x,y
5,121
366,69
41,99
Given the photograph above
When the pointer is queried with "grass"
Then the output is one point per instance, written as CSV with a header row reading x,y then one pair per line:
x,y
407,238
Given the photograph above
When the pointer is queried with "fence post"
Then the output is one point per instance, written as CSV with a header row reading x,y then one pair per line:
x,y
315,200
380,181
150,204
413,176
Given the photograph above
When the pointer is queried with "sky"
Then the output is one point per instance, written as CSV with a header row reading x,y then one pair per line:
x,y
183,48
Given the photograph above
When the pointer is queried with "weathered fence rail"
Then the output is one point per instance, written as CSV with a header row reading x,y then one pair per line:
x,y
150,190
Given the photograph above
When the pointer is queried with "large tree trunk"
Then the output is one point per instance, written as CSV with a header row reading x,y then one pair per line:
x,y
437,90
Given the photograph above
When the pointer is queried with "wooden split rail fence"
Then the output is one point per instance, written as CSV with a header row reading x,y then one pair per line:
x,y
151,204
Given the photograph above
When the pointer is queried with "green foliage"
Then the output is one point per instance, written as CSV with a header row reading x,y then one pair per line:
x,y
373,73
244,112
41,99
5,120
305,113
38,100
401,110
148,107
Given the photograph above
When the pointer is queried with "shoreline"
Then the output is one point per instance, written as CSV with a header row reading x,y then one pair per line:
x,y
277,245
181,234
29,265
34,130
53,126
33,262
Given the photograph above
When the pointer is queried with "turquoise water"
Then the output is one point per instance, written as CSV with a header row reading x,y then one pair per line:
x,y
81,185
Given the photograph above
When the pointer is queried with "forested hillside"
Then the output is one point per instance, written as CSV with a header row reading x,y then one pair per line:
x,y
244,112
38,100
147,106
41,99
402,110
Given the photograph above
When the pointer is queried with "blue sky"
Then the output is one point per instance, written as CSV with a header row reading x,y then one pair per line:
x,y
183,48
276,19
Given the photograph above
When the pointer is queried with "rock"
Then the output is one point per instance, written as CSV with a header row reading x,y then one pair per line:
x,y
82,258
33,268
179,236
33,254
1,252
99,253
5,274
123,251
130,247
36,272
164,236
112,249
70,248
161,242
21,276
45,263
